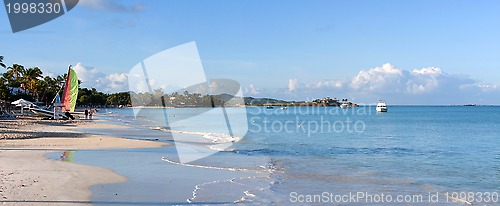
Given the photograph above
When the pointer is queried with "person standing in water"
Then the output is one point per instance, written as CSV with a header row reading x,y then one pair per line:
x,y
91,112
86,113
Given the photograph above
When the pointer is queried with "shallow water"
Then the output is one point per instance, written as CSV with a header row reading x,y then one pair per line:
x,y
409,150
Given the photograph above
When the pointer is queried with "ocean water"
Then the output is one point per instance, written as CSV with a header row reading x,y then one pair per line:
x,y
411,155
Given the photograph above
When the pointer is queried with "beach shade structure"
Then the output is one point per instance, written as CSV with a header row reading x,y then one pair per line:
x,y
22,103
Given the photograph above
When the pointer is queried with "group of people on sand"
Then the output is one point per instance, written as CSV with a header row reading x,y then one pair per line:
x,y
89,113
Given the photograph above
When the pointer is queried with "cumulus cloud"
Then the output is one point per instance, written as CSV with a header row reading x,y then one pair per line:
x,y
488,87
326,84
379,79
91,77
292,85
481,87
418,86
389,79
250,89
111,5
424,80
48,73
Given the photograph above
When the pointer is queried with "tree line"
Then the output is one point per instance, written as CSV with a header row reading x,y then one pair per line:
x,y
30,84
17,82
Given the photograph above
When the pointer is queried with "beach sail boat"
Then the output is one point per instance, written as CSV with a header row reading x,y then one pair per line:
x,y
70,91
63,109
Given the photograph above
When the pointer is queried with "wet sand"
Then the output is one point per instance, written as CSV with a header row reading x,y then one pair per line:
x,y
27,177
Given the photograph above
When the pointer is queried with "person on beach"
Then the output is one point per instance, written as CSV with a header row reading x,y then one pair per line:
x,y
91,112
86,113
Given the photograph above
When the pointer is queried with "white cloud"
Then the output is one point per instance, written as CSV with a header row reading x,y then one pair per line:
x,y
326,84
381,79
91,77
424,80
292,85
117,82
250,89
481,87
427,71
429,85
48,73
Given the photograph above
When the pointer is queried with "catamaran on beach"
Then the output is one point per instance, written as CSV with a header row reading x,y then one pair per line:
x,y
64,109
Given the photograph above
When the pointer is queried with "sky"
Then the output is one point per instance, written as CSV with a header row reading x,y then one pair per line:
x,y
404,52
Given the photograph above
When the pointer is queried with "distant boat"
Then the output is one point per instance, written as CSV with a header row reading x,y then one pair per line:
x,y
345,104
284,108
269,107
381,106
68,101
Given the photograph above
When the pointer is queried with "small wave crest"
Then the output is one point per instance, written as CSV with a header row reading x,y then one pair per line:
x,y
327,151
240,191
216,138
260,169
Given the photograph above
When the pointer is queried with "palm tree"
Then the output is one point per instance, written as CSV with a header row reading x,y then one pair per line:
x,y
15,72
30,80
50,86
1,62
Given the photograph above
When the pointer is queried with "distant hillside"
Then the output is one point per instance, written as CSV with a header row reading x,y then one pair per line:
x,y
264,101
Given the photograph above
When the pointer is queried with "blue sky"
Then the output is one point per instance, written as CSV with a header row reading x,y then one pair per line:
x,y
285,49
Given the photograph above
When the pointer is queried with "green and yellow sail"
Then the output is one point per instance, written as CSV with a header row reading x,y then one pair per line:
x,y
70,91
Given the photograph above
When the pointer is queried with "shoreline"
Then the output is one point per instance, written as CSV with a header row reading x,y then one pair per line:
x,y
28,176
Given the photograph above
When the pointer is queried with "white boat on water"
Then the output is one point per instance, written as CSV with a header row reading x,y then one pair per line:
x,y
345,104
381,106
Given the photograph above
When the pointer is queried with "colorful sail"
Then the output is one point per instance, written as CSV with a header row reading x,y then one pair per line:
x,y
70,91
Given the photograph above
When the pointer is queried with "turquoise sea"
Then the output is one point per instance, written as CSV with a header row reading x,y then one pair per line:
x,y
411,155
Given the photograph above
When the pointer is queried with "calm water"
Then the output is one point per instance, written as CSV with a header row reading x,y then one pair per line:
x,y
410,150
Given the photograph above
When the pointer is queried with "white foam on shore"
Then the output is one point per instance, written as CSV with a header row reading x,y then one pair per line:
x,y
263,170
221,137
247,193
217,138
232,180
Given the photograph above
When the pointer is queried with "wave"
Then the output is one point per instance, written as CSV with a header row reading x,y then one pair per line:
x,y
147,123
214,137
329,151
247,193
261,169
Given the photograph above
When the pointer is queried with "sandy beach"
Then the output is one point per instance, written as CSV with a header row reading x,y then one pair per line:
x,y
27,177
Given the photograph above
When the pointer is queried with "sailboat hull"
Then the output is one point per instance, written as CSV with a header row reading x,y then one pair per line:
x,y
46,113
